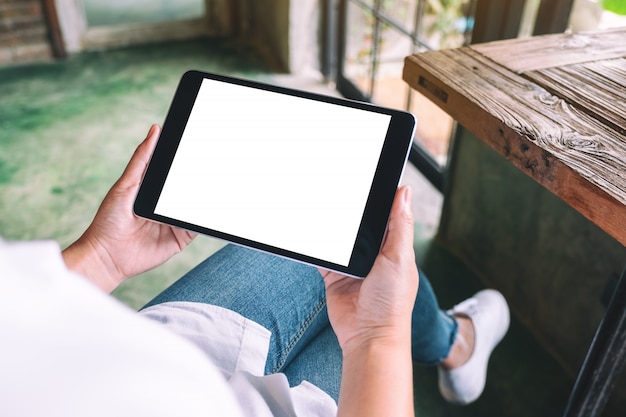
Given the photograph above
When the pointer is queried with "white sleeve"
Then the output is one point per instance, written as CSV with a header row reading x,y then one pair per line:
x,y
239,347
232,342
70,350
67,349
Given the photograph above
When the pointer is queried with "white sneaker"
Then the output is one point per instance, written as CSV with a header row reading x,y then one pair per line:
x,y
489,313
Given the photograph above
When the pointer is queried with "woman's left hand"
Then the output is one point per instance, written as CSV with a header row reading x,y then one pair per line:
x,y
118,244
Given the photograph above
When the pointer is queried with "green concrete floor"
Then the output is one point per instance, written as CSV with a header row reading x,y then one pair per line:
x,y
68,128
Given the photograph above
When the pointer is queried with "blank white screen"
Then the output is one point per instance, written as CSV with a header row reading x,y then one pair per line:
x,y
280,170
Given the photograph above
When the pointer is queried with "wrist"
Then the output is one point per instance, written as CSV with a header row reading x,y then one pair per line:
x,y
84,258
377,377
397,339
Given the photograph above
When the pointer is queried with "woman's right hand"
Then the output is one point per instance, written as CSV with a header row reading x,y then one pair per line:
x,y
380,305
372,321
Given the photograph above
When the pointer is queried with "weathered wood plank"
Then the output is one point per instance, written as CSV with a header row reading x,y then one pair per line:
x,y
566,150
596,88
527,54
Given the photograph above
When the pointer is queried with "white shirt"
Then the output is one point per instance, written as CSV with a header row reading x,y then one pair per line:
x,y
67,349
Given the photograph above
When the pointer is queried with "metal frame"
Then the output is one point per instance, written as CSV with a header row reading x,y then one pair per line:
x,y
604,360
418,156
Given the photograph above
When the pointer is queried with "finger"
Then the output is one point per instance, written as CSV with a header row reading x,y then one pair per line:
x,y
399,237
139,161
330,277
400,230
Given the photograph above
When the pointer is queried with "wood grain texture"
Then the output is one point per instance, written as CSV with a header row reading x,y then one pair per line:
x,y
597,87
566,149
527,54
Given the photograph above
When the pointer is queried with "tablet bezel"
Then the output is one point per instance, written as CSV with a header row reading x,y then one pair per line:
x,y
393,158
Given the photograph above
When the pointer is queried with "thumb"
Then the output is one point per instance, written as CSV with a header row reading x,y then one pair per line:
x,y
139,161
400,229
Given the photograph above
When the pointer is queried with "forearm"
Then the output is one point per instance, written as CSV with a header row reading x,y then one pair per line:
x,y
377,381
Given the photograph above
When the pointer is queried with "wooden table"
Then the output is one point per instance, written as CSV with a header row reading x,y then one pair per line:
x,y
555,107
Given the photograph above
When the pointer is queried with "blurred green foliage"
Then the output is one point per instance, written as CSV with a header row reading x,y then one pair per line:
x,y
615,6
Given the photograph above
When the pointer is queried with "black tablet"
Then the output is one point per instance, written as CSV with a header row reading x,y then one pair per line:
x,y
296,174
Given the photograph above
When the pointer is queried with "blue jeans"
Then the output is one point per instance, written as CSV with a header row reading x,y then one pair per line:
x,y
288,298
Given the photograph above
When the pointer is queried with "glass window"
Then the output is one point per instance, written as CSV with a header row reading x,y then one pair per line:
x,y
119,12
402,12
381,33
359,48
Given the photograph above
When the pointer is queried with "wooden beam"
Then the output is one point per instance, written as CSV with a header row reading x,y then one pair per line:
x,y
556,50
56,37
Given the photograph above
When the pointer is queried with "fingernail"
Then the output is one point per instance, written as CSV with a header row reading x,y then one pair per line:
x,y
151,131
408,194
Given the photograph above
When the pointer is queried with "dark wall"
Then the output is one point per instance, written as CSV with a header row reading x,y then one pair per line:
x,y
552,264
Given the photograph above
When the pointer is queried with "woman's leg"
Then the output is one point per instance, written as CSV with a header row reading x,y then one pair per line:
x,y
433,334
433,331
288,298
319,363
285,297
